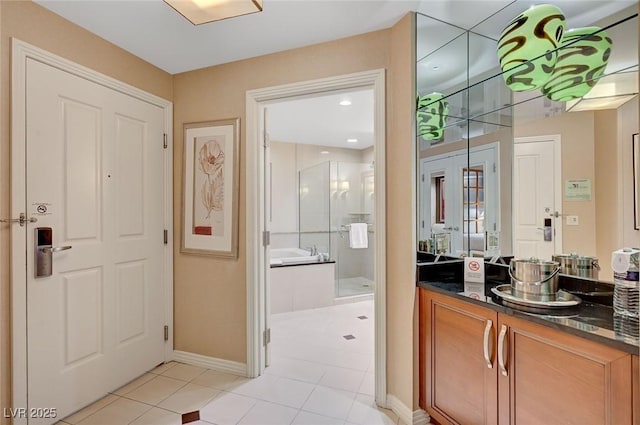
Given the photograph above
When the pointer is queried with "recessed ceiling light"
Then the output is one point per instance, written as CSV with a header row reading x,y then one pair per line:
x,y
203,11
352,140
436,67
345,102
324,152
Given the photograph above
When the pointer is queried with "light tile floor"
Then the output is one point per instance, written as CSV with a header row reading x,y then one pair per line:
x,y
316,377
349,286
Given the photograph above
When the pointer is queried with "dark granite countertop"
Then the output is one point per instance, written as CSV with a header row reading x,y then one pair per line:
x,y
592,319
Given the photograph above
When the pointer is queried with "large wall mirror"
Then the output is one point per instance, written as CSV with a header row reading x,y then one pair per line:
x,y
505,172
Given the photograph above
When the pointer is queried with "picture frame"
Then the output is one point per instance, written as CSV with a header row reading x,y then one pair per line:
x,y
636,185
210,188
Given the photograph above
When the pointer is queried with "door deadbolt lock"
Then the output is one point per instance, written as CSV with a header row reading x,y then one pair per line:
x,y
44,250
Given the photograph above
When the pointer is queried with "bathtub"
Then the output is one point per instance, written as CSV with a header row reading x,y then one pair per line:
x,y
292,256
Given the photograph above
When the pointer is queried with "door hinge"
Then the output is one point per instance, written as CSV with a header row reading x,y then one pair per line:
x,y
422,224
494,167
266,337
267,140
166,236
164,141
266,238
422,178
166,333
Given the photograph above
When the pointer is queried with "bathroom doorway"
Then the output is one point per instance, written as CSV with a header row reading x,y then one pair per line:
x,y
267,200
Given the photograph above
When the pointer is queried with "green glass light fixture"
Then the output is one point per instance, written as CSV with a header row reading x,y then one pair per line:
x,y
582,59
526,47
431,116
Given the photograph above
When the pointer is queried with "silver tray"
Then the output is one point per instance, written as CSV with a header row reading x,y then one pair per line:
x,y
563,298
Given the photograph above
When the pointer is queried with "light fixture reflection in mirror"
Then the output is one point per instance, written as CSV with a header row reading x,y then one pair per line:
x,y
526,48
431,116
582,59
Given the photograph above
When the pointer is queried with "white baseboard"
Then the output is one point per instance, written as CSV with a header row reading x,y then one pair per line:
x,y
220,365
420,417
406,415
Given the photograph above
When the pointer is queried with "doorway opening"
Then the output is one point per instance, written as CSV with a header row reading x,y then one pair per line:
x,y
264,201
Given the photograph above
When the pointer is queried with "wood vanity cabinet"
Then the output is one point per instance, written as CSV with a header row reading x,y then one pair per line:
x,y
457,386
636,389
541,376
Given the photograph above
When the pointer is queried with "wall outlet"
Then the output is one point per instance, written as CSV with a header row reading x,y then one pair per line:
x,y
572,220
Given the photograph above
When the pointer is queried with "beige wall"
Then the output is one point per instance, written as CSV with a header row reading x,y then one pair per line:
x,y
402,329
284,178
210,293
33,24
606,188
627,125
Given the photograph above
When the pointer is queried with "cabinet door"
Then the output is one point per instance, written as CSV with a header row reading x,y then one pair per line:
x,y
636,389
556,378
459,384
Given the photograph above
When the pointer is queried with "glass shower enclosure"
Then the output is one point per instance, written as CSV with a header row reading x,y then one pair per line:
x,y
332,196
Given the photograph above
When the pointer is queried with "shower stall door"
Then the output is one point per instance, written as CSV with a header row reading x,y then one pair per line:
x,y
314,208
332,196
352,202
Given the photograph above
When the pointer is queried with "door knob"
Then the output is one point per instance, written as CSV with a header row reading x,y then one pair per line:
x,y
48,249
44,250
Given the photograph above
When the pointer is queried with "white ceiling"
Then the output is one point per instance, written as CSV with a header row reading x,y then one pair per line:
x,y
153,31
321,120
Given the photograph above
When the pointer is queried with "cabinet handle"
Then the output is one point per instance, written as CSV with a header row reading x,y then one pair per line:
x,y
501,338
487,355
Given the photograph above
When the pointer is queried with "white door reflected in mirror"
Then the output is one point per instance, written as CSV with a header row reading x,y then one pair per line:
x,y
460,201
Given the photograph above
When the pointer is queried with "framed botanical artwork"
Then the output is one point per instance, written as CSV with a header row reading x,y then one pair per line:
x,y
210,188
636,184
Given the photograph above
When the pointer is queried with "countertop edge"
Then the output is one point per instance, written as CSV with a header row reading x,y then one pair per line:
x,y
614,343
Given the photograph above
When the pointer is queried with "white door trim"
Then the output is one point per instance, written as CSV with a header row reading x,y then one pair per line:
x,y
22,51
557,170
255,210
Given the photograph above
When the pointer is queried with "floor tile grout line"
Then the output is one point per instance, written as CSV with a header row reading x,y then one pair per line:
x,y
327,364
88,416
104,407
155,405
78,411
142,414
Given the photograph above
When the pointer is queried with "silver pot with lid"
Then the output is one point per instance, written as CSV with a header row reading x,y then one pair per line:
x,y
568,262
534,279
588,267
578,265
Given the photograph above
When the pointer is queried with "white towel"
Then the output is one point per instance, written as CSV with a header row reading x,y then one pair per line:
x,y
358,235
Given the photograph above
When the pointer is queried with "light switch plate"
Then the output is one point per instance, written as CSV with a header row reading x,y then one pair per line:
x,y
572,220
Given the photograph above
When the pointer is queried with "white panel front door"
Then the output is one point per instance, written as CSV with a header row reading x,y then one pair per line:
x,y
95,177
536,183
